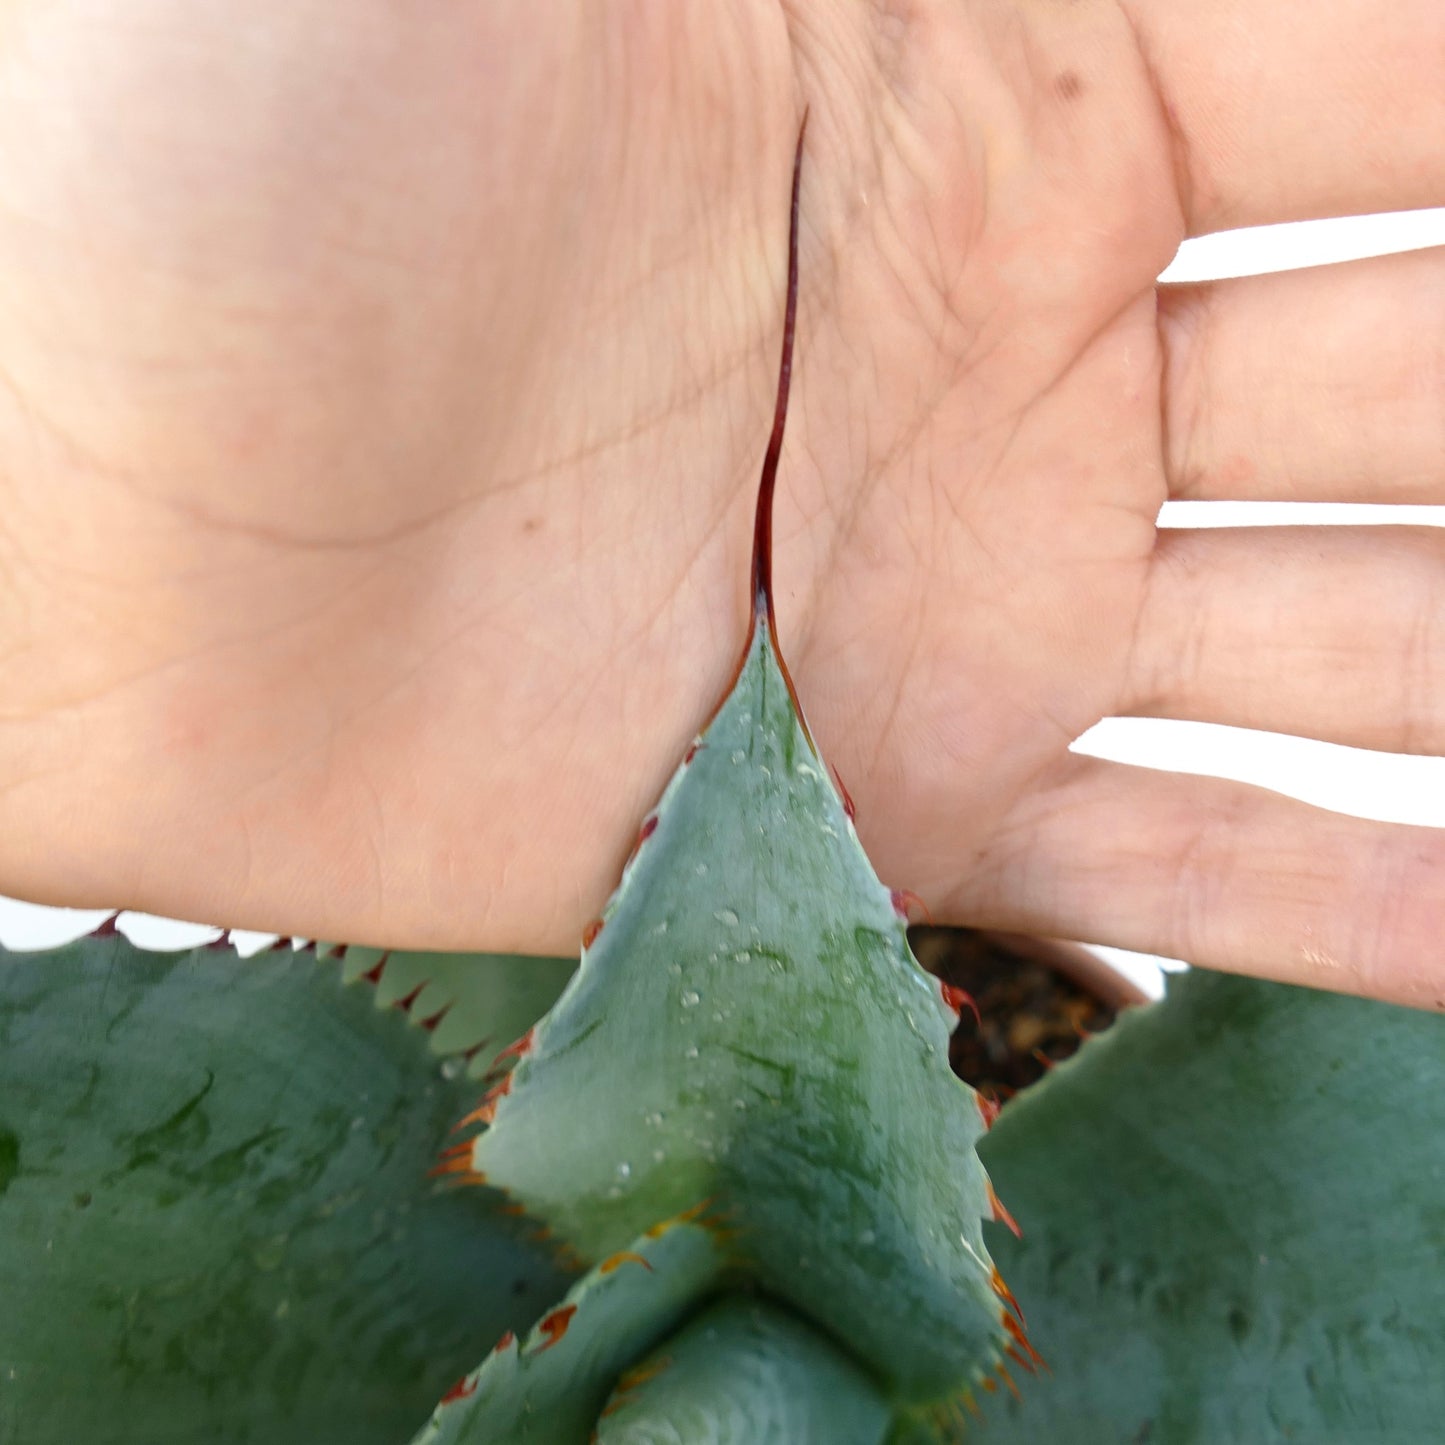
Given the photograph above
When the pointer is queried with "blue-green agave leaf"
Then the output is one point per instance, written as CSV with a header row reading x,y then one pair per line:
x,y
746,1372
550,1388
216,1222
473,1004
749,1026
1233,1207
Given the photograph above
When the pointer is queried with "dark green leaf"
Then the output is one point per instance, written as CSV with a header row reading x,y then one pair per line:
x,y
1233,1208
549,1388
746,1373
215,1218
483,1000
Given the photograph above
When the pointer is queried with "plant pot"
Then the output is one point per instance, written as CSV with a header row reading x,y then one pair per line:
x,y
1029,1002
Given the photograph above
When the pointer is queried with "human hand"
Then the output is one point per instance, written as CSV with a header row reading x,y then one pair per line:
x,y
382,393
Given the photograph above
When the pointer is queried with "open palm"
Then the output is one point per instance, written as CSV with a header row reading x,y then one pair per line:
x,y
382,393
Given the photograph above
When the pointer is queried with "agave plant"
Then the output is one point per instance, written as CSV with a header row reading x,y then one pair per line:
x,y
714,1182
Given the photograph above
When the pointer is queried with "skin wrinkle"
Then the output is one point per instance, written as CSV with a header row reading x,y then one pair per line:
x,y
403,531
677,259
37,421
823,258
1006,863
714,525
1201,882
1132,690
191,511
1015,864
962,520
662,416
873,468
245,871
13,782
376,840
212,648
1183,347
932,310
909,655
1189,185
903,135
1422,678
893,23
1374,946
1186,658
1056,382
1039,92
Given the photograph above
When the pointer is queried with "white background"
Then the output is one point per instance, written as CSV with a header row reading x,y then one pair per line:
x,y
1349,780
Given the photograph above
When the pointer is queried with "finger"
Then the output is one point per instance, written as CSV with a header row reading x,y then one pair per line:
x,y
1284,110
1326,384
1336,633
1223,875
